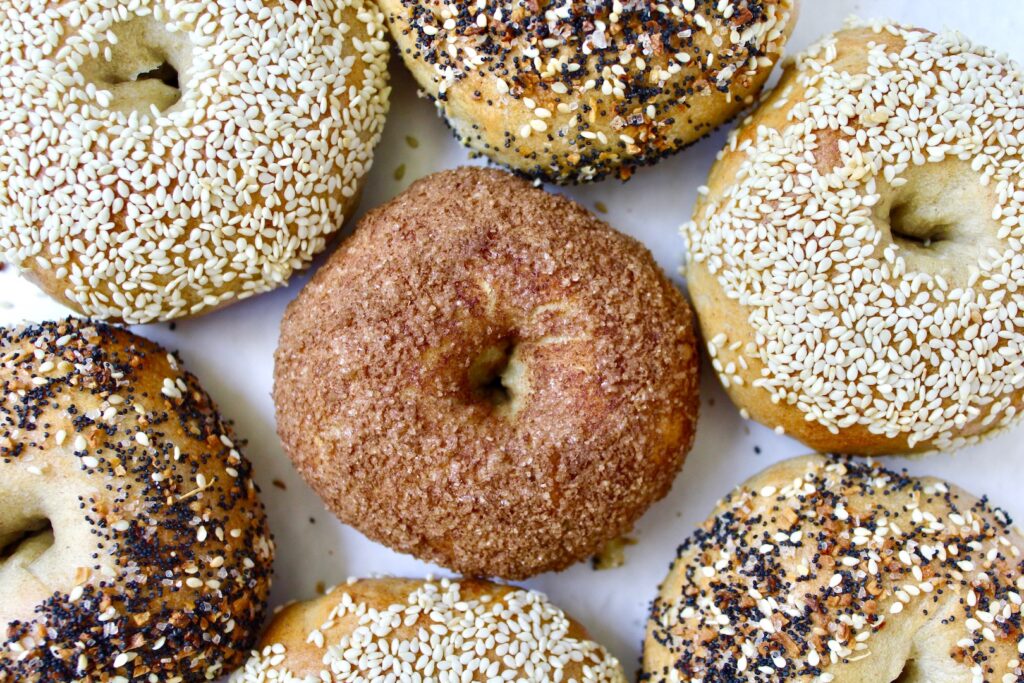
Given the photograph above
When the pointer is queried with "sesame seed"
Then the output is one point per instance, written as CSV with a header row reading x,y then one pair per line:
x,y
122,597
268,163
514,634
793,608
569,71
852,323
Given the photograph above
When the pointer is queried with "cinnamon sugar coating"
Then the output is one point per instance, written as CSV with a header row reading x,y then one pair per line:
x,y
488,377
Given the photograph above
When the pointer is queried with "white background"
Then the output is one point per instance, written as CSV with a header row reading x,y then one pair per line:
x,y
231,352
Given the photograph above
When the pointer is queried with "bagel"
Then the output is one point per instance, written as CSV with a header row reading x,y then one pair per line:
x,y
161,159
855,258
573,91
488,377
133,545
448,631
822,569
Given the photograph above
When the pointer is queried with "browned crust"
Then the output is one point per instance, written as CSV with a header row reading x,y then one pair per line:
x,y
292,626
261,262
581,140
162,556
374,404
830,560
425,624
717,313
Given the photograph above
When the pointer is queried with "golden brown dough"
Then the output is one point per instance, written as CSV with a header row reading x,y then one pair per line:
x,y
163,159
576,90
133,545
855,259
445,630
823,569
487,376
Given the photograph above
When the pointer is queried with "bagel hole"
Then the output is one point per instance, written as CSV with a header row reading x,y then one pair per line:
x,y
911,673
488,373
145,67
159,86
911,230
165,73
34,535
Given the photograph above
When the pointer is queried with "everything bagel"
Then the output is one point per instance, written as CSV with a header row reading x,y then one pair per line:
x,y
133,545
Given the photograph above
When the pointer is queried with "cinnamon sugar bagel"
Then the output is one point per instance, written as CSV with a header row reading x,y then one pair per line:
x,y
856,257
162,158
133,545
488,377
822,569
448,631
574,90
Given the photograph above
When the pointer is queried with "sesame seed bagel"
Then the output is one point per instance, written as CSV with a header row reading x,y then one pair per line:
x,y
574,90
487,376
855,259
161,158
133,546
446,631
822,569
